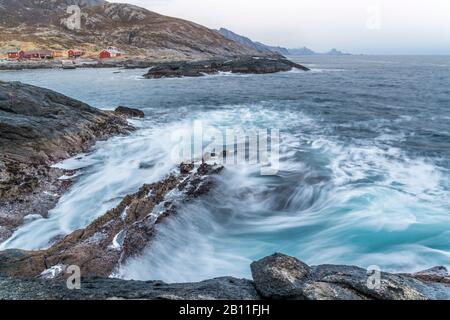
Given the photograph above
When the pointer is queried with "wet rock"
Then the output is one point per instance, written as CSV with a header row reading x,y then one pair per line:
x,y
39,127
245,65
280,276
119,234
275,277
436,274
185,168
283,277
101,289
129,112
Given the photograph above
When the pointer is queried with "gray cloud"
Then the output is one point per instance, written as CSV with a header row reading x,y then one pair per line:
x,y
364,26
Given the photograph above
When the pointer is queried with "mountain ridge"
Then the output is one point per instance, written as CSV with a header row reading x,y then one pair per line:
x,y
250,43
30,24
273,49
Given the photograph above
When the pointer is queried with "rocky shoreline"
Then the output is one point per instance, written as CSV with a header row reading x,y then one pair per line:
x,y
278,277
171,69
85,64
242,65
119,234
38,128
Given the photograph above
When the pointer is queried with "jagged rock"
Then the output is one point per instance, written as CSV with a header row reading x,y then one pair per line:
x,y
39,127
186,167
284,277
275,277
254,65
436,274
280,276
129,112
101,289
121,233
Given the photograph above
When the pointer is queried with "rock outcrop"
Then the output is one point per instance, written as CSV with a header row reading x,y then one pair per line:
x,y
39,127
275,277
244,65
102,288
283,277
129,112
121,233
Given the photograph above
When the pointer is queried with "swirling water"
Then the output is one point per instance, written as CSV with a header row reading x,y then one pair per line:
x,y
364,171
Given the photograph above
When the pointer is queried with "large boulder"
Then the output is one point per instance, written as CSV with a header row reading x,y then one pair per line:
x,y
275,277
244,65
226,288
129,112
283,277
280,276
119,234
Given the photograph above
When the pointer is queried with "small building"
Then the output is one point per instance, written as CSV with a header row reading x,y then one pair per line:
x,y
36,54
72,53
111,52
13,54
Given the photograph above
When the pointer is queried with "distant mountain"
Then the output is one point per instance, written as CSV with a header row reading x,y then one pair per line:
x,y
308,52
250,43
31,24
280,50
302,51
335,52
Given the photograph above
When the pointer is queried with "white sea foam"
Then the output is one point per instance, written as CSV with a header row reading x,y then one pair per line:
x,y
375,201
360,202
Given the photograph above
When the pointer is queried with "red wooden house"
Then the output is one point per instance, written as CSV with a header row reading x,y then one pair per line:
x,y
14,55
111,52
75,53
36,54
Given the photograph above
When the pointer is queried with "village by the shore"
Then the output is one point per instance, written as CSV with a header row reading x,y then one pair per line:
x,y
18,58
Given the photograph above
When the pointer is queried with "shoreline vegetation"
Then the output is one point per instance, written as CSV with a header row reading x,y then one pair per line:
x,y
39,127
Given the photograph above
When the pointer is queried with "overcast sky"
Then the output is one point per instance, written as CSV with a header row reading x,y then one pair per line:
x,y
357,26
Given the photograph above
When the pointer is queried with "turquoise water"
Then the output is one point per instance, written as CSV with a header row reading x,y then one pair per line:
x,y
364,168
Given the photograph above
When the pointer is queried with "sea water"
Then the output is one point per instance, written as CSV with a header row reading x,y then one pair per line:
x,y
364,166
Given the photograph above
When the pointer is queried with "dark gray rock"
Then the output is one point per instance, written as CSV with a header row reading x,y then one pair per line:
x,y
119,234
101,289
129,112
244,65
284,277
436,274
39,127
185,168
280,276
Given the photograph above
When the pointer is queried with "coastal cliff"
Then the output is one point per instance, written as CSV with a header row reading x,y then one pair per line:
x,y
39,127
121,233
